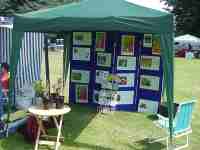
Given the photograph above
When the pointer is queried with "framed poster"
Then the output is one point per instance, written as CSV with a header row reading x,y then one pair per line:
x,y
126,79
125,97
80,76
127,44
147,42
101,76
150,62
81,53
104,59
148,106
82,93
126,63
156,44
82,38
149,82
100,41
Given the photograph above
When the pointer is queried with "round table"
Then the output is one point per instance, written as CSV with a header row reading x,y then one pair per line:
x,y
39,113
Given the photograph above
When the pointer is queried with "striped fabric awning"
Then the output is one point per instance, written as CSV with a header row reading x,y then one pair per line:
x,y
30,55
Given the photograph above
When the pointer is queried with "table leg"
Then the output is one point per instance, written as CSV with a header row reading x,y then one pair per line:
x,y
38,135
56,122
59,132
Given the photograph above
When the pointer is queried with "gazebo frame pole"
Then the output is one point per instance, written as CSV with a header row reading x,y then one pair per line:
x,y
47,62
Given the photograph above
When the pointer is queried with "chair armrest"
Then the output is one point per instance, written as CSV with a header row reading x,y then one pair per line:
x,y
160,117
162,122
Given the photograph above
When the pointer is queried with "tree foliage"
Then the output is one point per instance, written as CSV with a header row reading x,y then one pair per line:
x,y
187,14
10,7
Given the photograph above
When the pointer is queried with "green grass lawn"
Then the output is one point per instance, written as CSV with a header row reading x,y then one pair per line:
x,y
84,129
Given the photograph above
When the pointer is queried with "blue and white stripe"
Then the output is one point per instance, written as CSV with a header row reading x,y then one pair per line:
x,y
30,55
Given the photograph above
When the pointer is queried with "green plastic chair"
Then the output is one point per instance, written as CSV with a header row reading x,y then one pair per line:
x,y
181,123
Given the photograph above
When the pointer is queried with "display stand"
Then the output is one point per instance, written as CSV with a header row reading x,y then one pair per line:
x,y
133,57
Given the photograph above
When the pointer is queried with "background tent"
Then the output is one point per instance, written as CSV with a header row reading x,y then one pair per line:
x,y
183,41
96,15
29,65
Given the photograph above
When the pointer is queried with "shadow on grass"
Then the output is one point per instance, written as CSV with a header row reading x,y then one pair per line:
x,y
152,117
74,123
77,120
146,145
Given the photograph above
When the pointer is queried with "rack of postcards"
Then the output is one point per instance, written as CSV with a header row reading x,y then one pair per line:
x,y
126,64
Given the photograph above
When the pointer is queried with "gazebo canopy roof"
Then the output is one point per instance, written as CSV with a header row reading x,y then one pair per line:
x,y
96,15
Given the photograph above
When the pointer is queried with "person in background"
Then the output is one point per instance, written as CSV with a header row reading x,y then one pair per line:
x,y
4,78
189,47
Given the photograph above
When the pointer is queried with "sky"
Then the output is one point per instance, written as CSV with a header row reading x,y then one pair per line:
x,y
154,4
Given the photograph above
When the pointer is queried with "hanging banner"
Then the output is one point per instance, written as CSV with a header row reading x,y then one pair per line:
x,y
100,41
127,44
82,93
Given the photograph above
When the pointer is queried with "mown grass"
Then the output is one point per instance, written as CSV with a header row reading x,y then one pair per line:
x,y
84,129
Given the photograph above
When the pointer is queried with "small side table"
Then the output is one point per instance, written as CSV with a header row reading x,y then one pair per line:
x,y
52,112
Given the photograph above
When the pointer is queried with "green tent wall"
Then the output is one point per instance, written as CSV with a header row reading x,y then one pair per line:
x,y
100,15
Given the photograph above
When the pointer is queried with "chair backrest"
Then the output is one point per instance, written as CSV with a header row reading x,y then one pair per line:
x,y
184,116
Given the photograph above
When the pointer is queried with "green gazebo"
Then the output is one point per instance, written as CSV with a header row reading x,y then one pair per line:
x,y
99,15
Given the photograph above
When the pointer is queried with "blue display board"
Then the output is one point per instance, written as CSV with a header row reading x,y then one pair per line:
x,y
130,56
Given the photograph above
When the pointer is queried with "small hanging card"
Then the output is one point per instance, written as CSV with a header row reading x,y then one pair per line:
x,y
127,44
150,62
149,82
126,63
80,76
82,93
125,97
100,41
82,38
148,106
126,79
156,44
147,42
81,53
104,59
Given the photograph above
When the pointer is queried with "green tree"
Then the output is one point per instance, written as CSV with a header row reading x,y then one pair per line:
x,y
187,18
187,14
10,7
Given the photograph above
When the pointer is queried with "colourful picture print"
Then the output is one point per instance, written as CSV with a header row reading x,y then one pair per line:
x,y
125,97
82,93
104,59
81,54
100,41
126,63
150,62
147,42
126,79
149,82
80,76
82,38
156,44
148,106
101,76
127,44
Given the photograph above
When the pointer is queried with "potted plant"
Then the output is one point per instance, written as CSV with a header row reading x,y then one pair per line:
x,y
41,93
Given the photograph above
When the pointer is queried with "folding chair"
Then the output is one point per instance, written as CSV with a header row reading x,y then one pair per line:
x,y
181,124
